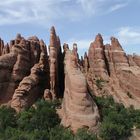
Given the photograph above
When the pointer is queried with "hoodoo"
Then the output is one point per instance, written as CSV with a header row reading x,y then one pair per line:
x,y
78,108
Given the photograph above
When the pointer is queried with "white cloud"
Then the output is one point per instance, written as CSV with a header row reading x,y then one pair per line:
x,y
89,6
33,11
129,35
92,7
47,11
117,6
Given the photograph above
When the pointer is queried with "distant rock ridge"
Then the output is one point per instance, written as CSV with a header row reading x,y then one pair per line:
x,y
30,70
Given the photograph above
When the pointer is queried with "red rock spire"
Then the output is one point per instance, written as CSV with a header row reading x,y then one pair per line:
x,y
115,44
53,37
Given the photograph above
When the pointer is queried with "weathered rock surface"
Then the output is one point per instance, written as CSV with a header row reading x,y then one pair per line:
x,y
16,62
135,135
96,56
136,59
47,95
31,87
56,64
86,63
123,73
1,46
78,108
26,70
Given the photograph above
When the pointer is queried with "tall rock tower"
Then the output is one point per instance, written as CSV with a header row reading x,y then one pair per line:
x,y
55,61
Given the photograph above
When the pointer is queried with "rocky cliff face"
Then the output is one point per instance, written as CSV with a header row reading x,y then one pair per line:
x,y
28,72
17,63
96,55
31,87
118,74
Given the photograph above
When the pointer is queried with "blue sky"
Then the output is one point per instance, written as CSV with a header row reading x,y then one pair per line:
x,y
75,21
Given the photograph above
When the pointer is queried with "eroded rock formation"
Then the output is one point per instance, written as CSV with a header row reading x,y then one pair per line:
x,y
78,108
86,63
96,56
31,87
118,74
1,46
28,72
56,62
16,62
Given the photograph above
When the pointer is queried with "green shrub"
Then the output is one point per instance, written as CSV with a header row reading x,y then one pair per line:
x,y
99,83
116,121
7,118
60,133
16,134
42,122
135,117
42,117
83,134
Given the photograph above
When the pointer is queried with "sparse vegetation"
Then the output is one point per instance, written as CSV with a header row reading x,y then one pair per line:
x,y
100,83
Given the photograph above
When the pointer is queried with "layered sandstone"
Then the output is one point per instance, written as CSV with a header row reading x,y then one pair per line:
x,y
78,108
31,87
123,73
136,59
1,46
16,62
55,62
22,79
96,56
86,63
